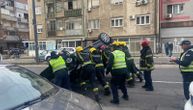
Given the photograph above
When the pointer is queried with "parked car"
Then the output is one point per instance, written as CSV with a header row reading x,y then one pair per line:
x,y
42,55
22,89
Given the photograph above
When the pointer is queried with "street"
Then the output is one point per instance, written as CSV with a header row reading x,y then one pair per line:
x,y
168,94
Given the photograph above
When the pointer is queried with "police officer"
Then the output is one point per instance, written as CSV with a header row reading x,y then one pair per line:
x,y
87,70
96,58
186,65
118,68
58,66
146,64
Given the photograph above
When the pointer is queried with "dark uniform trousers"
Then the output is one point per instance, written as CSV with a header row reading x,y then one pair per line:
x,y
88,73
62,79
118,82
187,79
148,79
100,75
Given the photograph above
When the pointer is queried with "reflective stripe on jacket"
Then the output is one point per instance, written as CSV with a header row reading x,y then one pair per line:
x,y
188,68
119,60
57,64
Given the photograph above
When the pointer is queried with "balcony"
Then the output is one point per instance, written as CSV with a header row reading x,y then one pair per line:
x,y
51,33
73,13
22,20
23,29
74,32
51,15
9,8
49,1
7,17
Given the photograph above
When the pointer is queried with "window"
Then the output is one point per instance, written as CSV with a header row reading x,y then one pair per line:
x,y
59,6
117,2
38,10
117,22
39,29
42,45
143,20
69,26
70,5
175,9
31,46
59,25
52,26
94,24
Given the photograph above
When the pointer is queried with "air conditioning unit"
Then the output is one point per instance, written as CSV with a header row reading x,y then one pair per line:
x,y
132,17
89,9
144,2
89,30
169,16
138,3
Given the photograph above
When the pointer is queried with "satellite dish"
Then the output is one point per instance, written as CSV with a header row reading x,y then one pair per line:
x,y
105,38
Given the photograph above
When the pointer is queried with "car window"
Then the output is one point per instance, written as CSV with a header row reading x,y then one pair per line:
x,y
19,85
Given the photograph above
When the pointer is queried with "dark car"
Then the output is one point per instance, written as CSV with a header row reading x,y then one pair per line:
x,y
23,89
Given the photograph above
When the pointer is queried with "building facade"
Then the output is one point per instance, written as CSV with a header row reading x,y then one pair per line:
x,y
60,23
128,20
176,20
14,23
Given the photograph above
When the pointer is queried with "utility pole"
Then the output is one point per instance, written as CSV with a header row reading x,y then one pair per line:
x,y
35,32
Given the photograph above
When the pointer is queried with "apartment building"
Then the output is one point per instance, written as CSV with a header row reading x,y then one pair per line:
x,y
60,23
128,20
176,17
14,23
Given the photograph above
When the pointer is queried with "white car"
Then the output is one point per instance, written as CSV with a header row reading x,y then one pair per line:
x,y
71,50
189,103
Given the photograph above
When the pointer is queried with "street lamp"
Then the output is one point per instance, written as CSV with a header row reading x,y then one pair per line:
x,y
35,31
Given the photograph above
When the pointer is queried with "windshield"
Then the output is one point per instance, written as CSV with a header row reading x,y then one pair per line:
x,y
19,85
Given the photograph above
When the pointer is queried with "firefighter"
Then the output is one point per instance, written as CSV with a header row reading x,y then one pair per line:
x,y
105,54
96,58
146,64
118,68
131,66
87,71
186,65
59,69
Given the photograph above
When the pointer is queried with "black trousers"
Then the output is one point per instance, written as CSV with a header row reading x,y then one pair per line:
x,y
100,75
118,81
187,79
88,73
148,79
62,79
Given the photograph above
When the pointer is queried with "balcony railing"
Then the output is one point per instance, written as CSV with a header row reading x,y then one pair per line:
x,y
51,15
23,29
9,8
74,32
49,1
51,33
21,20
7,17
73,13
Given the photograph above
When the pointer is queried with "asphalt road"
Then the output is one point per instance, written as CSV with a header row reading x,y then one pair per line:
x,y
168,94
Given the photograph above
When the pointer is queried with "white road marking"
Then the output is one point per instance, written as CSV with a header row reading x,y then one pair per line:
x,y
168,82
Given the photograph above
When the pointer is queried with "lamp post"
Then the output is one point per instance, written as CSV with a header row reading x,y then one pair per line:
x,y
35,31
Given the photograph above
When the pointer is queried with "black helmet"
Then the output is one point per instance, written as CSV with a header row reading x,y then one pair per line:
x,y
185,42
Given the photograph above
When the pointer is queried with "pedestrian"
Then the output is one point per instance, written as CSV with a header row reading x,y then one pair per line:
x,y
59,69
87,71
185,63
170,49
96,58
147,64
118,68
166,48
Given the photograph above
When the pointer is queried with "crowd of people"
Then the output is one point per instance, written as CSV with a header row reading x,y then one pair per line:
x,y
92,68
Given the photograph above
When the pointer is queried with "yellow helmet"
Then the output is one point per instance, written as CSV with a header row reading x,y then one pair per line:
x,y
115,43
122,43
79,48
92,49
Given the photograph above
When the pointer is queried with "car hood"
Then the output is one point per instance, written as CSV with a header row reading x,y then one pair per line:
x,y
66,100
